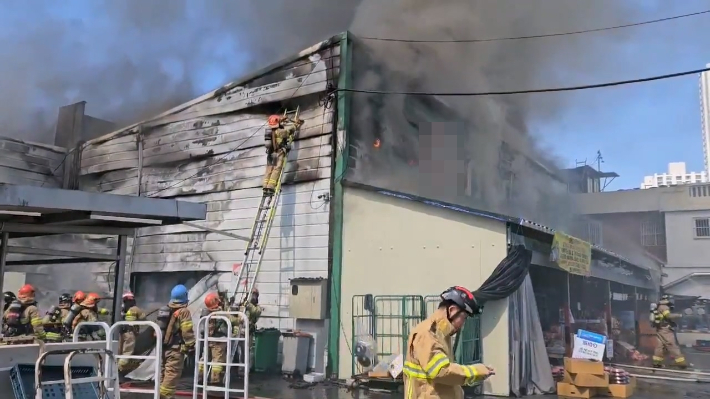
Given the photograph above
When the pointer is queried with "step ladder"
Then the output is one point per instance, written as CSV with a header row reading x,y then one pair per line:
x,y
244,279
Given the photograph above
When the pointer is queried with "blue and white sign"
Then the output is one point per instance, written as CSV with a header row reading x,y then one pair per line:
x,y
589,345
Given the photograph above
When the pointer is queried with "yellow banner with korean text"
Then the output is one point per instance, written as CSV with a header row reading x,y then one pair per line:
x,y
572,254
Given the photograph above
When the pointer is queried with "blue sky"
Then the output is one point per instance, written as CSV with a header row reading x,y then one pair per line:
x,y
640,128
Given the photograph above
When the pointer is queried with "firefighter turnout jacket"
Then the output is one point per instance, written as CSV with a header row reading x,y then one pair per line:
x,y
429,368
179,331
22,318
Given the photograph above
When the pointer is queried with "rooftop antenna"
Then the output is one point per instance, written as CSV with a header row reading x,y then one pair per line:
x,y
600,160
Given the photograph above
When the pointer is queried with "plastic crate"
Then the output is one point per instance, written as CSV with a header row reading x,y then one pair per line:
x,y
22,377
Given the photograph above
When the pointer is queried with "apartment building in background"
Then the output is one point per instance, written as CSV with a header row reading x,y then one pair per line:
x,y
676,175
705,116
669,224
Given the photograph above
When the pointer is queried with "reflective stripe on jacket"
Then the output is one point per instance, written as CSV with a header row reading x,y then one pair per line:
x,y
429,370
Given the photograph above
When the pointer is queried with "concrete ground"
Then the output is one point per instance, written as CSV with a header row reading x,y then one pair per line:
x,y
275,387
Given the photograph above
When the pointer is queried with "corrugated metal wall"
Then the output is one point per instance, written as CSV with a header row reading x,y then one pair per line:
x,y
31,164
394,248
213,152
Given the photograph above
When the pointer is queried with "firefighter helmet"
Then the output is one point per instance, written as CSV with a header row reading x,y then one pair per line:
x,y
79,296
65,298
274,121
26,292
462,298
128,296
92,299
212,301
9,296
179,294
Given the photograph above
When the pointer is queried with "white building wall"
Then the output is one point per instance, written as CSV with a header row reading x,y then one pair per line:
x,y
705,116
393,246
676,175
688,244
211,150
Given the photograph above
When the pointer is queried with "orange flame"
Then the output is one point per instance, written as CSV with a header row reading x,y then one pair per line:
x,y
377,143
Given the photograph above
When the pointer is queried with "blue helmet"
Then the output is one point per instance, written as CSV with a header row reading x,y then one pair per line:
x,y
179,294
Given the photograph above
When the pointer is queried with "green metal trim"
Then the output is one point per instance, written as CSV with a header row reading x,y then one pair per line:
x,y
341,164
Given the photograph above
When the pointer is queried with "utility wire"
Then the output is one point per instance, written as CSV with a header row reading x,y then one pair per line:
x,y
450,94
551,90
498,39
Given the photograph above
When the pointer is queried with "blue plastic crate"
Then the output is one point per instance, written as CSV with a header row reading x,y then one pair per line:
x,y
23,382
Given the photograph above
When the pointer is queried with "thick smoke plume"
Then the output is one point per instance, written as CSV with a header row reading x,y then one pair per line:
x,y
482,124
132,59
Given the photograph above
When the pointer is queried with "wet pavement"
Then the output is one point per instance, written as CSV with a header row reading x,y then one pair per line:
x,y
275,387
656,386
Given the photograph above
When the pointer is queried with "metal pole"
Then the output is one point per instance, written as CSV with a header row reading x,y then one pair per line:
x,y
3,256
216,231
118,277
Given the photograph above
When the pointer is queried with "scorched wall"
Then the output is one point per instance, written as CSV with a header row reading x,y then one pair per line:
x,y
211,150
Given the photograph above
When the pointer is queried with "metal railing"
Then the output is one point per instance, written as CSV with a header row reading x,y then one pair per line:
x,y
77,330
101,378
389,319
156,358
111,362
203,355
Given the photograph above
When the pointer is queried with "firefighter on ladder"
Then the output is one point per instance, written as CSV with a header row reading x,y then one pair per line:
x,y
130,312
429,369
664,320
277,140
175,321
253,311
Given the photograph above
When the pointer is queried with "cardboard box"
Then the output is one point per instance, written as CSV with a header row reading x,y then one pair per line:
x,y
620,391
571,391
587,380
583,366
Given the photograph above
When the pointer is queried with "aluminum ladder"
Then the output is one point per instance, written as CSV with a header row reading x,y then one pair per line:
x,y
259,237
203,356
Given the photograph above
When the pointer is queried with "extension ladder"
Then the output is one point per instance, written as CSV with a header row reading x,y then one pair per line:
x,y
259,237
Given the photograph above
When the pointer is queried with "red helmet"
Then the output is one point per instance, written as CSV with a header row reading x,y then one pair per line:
x,y
79,297
26,292
274,121
128,296
91,300
212,301
463,298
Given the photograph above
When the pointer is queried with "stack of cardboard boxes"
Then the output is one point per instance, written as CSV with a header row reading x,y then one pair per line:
x,y
587,379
